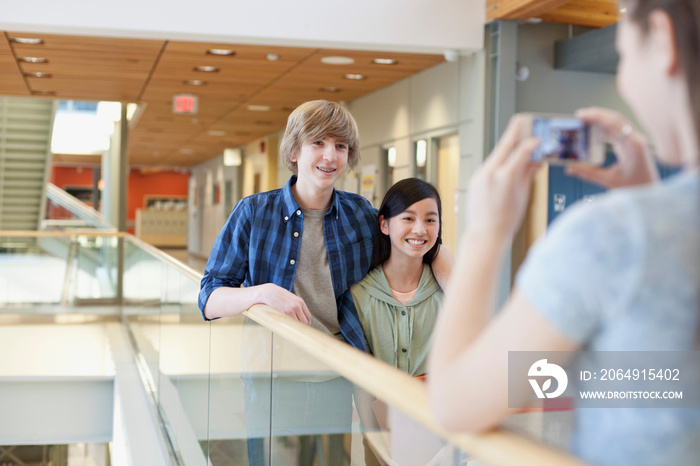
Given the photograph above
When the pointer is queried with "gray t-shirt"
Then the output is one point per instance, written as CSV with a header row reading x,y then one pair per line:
x,y
623,274
312,281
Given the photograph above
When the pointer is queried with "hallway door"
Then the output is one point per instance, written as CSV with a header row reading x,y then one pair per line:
x,y
448,184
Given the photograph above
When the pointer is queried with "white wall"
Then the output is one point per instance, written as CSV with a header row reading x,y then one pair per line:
x,y
450,99
445,99
559,91
205,217
391,25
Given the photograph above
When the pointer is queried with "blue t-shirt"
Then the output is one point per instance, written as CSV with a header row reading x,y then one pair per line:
x,y
623,274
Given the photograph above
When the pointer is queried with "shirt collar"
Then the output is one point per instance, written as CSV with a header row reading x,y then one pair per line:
x,y
291,206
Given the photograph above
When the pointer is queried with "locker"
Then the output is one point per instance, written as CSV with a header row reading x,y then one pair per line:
x,y
564,191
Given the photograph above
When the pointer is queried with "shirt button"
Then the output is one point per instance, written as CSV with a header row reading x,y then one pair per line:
x,y
404,350
298,212
403,313
296,234
292,262
286,218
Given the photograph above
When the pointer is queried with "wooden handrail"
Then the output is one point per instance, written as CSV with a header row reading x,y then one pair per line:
x,y
409,395
497,447
59,234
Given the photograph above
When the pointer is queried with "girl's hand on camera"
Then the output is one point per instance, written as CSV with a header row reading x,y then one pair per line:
x,y
498,192
635,163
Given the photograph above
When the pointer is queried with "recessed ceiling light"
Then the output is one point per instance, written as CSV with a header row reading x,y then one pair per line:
x,y
329,89
355,76
194,82
272,57
206,69
27,40
384,61
225,52
38,75
216,132
186,151
259,108
337,60
34,59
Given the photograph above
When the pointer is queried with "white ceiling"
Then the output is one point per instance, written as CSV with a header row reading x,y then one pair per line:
x,y
388,25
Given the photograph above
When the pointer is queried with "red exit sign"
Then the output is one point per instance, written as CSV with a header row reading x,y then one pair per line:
x,y
185,104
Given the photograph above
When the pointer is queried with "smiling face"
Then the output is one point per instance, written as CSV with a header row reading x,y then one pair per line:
x,y
320,163
414,231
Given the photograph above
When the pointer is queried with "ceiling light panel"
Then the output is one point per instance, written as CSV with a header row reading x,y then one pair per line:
x,y
221,52
207,69
33,59
27,41
37,74
337,60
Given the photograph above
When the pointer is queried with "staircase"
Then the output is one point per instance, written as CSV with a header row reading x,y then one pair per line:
x,y
25,160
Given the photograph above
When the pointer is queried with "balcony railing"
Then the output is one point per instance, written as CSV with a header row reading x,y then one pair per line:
x,y
225,391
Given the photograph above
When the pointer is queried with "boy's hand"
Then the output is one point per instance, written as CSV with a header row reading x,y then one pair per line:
x,y
285,302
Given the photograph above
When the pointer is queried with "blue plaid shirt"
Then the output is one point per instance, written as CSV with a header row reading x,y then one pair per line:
x,y
258,245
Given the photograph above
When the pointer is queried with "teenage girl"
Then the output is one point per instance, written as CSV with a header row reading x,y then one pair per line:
x,y
398,299
619,274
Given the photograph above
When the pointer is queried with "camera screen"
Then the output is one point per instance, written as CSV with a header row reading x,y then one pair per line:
x,y
561,139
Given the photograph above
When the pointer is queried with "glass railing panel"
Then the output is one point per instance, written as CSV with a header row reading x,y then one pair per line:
x,y
96,267
183,385
173,343
143,275
240,384
141,309
65,211
551,424
320,416
30,274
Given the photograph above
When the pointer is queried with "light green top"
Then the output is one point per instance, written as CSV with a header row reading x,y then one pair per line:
x,y
398,334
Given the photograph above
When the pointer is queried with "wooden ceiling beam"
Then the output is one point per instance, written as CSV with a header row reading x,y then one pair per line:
x,y
520,9
592,13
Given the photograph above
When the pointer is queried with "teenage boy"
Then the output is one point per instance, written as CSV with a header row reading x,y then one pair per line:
x,y
299,249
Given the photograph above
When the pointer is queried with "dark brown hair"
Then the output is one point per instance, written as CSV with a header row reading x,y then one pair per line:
x,y
402,195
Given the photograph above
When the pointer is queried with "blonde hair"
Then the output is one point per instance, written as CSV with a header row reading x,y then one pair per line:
x,y
316,120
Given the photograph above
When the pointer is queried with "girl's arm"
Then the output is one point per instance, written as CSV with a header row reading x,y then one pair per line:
x,y
442,266
468,381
